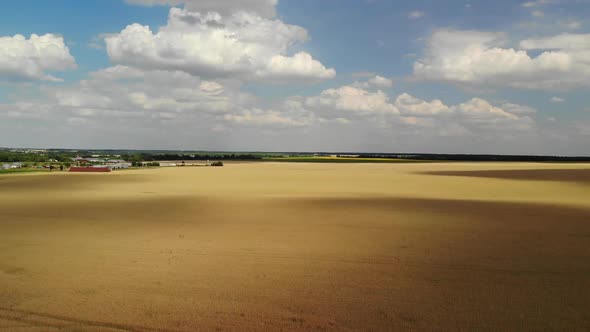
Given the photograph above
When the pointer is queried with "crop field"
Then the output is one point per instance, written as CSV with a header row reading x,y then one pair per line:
x,y
298,246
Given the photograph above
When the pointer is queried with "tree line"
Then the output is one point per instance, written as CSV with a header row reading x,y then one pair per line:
x,y
479,157
181,157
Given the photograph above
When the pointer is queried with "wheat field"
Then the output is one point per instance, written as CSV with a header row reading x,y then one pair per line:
x,y
296,246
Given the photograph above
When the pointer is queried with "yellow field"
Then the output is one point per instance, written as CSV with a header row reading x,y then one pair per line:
x,y
297,246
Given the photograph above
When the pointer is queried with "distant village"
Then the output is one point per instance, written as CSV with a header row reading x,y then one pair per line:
x,y
18,160
102,162
76,163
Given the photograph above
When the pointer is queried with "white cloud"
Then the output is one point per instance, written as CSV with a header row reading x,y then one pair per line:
x,y
268,118
124,92
381,82
475,57
265,8
482,116
547,23
351,99
537,3
150,105
242,45
416,15
538,13
566,41
154,99
412,106
557,99
573,24
474,117
300,65
374,81
33,58
478,109
518,109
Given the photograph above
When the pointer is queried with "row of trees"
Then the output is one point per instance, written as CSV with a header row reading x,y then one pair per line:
x,y
142,164
65,156
37,157
479,157
193,157
11,157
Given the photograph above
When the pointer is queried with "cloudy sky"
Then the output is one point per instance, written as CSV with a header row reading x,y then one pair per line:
x,y
297,75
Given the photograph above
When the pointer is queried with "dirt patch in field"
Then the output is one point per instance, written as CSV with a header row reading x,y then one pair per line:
x,y
581,176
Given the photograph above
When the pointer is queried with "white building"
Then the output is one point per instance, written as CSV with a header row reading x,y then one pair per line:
x,y
123,165
11,166
117,164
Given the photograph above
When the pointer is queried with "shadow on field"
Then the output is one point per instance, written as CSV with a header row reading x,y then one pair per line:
x,y
195,263
124,211
581,176
64,181
497,212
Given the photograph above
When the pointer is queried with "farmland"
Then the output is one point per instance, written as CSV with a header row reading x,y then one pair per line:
x,y
298,246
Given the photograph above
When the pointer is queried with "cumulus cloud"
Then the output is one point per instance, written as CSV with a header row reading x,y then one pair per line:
x,y
242,45
352,99
269,118
156,103
300,65
381,82
475,57
134,98
412,106
478,108
473,117
122,93
374,81
33,58
476,116
566,41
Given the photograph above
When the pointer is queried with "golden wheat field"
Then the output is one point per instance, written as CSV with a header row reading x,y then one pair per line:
x,y
280,246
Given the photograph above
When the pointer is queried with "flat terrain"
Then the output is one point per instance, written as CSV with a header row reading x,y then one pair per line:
x,y
295,246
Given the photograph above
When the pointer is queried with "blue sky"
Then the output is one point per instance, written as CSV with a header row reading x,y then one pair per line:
x,y
339,75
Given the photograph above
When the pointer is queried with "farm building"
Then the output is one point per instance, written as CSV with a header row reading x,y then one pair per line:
x,y
101,163
117,164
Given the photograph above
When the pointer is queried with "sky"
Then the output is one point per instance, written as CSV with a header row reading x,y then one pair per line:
x,y
425,76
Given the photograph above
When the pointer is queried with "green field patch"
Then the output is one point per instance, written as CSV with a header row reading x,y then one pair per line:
x,y
22,170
